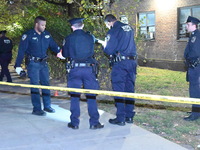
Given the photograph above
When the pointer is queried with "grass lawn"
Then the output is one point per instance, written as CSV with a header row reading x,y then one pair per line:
x,y
161,82
163,118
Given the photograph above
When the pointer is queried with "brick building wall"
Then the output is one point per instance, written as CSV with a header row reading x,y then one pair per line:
x,y
166,51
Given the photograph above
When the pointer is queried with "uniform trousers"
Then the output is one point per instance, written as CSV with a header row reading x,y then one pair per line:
x,y
123,77
5,59
38,72
194,87
83,77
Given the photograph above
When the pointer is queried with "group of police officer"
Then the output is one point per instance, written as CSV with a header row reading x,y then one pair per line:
x,y
78,49
120,46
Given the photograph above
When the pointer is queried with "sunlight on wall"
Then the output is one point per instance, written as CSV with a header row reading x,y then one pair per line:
x,y
165,4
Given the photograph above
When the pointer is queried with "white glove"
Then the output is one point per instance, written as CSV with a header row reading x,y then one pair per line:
x,y
18,70
59,55
104,43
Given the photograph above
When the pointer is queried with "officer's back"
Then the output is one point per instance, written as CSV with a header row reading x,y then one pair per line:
x,y
5,43
121,38
5,55
81,45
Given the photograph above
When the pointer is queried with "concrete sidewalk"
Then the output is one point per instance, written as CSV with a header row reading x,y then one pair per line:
x,y
20,130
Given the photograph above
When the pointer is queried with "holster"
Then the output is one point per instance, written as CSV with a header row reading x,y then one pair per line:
x,y
187,76
95,68
69,65
27,60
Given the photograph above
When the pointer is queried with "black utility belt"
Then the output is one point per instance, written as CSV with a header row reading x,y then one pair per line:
x,y
128,57
37,59
120,58
82,64
193,63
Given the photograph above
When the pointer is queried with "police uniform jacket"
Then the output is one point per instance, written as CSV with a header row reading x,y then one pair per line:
x,y
5,45
120,38
35,45
192,51
79,46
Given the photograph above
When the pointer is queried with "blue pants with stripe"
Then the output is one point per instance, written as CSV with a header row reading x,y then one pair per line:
x,y
83,77
123,77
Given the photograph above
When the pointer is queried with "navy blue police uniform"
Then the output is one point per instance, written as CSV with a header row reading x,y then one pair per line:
x,y
192,56
78,47
121,47
6,46
34,47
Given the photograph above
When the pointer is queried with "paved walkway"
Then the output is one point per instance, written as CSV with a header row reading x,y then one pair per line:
x,y
20,130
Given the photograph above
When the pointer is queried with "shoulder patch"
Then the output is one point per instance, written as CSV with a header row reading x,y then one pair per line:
x,y
24,37
107,37
193,39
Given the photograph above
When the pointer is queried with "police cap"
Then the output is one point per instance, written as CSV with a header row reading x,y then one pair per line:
x,y
3,31
193,20
76,20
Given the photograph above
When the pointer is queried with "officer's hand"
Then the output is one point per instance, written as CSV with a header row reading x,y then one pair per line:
x,y
96,40
18,70
102,42
59,55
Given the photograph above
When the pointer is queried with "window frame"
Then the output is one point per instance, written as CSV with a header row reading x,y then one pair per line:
x,y
148,35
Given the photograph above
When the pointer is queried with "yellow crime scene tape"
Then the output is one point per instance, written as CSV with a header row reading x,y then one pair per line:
x,y
112,93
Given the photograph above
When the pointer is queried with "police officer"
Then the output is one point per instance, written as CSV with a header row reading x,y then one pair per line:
x,y
121,48
78,47
34,44
5,55
192,57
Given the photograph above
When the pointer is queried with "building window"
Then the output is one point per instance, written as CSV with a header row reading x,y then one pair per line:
x,y
147,25
184,12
